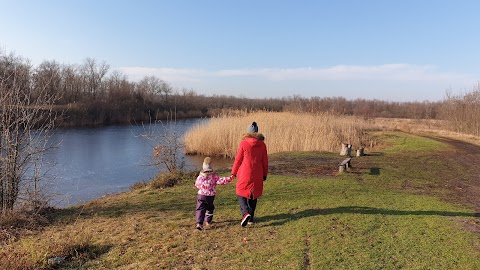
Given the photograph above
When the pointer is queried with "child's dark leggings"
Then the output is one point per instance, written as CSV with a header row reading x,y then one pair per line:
x,y
205,208
247,206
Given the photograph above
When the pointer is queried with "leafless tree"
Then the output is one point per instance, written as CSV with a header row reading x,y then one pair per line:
x,y
93,74
47,76
462,111
27,116
167,89
150,86
71,84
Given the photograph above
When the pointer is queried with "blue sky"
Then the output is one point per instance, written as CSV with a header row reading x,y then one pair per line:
x,y
379,49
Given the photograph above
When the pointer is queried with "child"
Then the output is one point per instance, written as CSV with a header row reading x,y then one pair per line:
x,y
206,182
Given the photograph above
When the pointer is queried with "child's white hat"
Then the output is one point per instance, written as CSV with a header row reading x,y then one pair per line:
x,y
207,165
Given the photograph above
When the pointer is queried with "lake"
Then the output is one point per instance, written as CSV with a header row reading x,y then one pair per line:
x,y
92,162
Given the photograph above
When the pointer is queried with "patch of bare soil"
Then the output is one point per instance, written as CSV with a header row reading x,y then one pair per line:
x,y
464,188
314,165
303,166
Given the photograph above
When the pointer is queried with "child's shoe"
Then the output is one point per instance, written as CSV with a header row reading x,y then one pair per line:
x,y
199,227
245,219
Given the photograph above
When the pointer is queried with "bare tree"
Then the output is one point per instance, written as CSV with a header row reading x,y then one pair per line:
x,y
150,86
27,116
93,74
71,84
462,111
48,76
167,89
167,152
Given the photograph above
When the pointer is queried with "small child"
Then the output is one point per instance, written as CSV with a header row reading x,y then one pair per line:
x,y
206,182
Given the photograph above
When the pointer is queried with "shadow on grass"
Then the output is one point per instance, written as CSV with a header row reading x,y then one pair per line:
x,y
82,255
375,171
281,219
70,215
375,154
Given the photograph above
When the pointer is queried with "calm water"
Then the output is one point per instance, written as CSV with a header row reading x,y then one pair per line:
x,y
90,163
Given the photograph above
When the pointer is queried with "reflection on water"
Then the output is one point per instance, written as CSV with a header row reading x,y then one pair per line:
x,y
90,163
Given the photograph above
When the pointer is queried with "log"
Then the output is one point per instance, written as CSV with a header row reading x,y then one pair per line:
x,y
344,165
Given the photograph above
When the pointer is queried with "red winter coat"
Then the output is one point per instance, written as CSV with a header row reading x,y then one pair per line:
x,y
251,165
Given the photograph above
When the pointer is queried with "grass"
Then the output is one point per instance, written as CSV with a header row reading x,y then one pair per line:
x,y
377,216
407,142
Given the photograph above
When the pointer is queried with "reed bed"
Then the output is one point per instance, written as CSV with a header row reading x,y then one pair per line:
x,y
283,131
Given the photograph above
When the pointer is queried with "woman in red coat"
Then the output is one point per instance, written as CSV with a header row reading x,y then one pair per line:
x,y
251,169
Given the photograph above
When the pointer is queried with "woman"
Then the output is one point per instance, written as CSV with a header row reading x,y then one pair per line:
x,y
251,169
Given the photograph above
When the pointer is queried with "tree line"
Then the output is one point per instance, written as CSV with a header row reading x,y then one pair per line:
x,y
462,111
91,94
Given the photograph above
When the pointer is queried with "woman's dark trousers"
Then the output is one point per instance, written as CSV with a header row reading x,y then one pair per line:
x,y
247,206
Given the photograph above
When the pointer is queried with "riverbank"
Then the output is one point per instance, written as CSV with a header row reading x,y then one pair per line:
x,y
394,209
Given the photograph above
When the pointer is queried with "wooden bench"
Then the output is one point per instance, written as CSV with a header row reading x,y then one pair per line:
x,y
344,165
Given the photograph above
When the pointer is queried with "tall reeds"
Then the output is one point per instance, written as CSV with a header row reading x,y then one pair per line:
x,y
283,131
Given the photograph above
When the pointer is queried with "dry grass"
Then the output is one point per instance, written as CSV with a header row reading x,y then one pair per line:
x,y
423,126
22,250
283,131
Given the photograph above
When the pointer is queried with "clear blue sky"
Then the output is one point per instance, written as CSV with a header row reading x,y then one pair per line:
x,y
404,50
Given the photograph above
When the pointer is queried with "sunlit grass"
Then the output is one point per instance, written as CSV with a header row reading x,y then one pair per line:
x,y
325,223
408,142
367,219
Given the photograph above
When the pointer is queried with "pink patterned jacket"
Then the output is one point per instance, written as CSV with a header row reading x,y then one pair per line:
x,y
206,183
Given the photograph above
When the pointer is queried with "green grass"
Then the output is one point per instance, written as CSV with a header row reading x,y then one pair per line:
x,y
375,217
408,142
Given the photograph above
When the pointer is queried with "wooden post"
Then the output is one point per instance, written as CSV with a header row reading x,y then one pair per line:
x,y
346,150
360,152
343,150
344,165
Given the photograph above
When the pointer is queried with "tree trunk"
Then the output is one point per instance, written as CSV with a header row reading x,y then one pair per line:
x,y
346,150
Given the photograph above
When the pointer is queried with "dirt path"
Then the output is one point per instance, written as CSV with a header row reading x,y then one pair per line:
x,y
464,189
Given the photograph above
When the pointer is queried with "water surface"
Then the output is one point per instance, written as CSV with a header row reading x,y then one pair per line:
x,y
92,162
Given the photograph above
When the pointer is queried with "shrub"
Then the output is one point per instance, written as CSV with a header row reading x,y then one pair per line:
x,y
166,180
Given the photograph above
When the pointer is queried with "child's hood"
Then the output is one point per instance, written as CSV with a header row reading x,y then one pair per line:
x,y
206,174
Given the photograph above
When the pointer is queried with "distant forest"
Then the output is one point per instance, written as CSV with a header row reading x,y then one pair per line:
x,y
90,94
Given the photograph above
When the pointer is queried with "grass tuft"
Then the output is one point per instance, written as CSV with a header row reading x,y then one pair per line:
x,y
167,180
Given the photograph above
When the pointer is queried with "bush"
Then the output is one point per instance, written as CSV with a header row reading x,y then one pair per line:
x,y
139,185
166,180
16,222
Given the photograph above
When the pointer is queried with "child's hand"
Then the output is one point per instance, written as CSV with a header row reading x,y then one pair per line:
x,y
233,176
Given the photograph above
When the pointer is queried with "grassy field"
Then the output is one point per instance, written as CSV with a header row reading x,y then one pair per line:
x,y
388,212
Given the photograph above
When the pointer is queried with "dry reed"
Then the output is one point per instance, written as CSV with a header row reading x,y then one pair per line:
x,y
283,131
